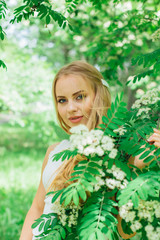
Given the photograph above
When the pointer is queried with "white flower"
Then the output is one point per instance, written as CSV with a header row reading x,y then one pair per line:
x,y
149,228
130,216
79,129
99,151
129,205
120,130
106,139
120,175
124,185
111,183
151,97
136,226
143,110
113,153
157,211
123,212
97,187
89,151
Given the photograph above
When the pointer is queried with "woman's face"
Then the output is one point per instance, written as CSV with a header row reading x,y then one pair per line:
x,y
75,98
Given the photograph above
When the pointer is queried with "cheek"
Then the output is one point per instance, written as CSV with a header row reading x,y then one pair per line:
x,y
88,105
61,111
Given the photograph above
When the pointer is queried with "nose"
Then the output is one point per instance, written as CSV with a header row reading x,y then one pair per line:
x,y
71,107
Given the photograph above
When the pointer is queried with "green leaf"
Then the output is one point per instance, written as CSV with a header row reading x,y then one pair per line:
x,y
145,154
119,115
112,126
77,167
75,197
83,162
148,159
105,119
112,107
135,199
102,125
41,226
81,192
36,223
87,185
141,134
57,195
89,177
93,171
47,224
48,19
68,199
157,152
110,132
2,64
62,232
118,121
122,109
93,164
77,173
142,193
92,236
100,235
109,113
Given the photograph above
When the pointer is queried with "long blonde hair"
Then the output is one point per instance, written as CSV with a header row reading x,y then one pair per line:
x,y
102,102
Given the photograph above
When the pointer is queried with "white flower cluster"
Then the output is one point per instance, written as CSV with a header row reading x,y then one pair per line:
x,y
146,210
121,130
143,110
91,142
151,97
156,35
117,181
126,213
66,218
152,233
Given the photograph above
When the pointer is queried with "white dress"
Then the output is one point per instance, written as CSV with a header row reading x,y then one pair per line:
x,y
48,176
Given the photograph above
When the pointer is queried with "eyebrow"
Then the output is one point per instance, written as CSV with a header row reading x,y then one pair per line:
x,y
81,91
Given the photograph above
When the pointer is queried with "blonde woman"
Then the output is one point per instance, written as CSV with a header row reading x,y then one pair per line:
x,y
81,96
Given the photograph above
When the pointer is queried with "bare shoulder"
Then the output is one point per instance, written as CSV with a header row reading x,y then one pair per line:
x,y
49,150
52,147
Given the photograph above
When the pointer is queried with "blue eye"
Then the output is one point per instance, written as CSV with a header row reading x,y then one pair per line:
x,y
61,100
81,96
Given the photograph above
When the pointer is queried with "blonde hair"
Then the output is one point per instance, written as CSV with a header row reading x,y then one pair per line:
x,y
102,102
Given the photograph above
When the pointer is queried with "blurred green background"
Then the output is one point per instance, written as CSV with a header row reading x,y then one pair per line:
x,y
107,35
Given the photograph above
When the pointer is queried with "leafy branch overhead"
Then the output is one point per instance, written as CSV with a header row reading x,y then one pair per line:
x,y
150,61
43,9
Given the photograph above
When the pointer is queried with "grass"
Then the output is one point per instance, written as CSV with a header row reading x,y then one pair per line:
x,y
19,179
21,153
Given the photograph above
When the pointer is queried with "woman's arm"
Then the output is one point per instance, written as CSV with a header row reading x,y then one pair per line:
x,y
37,206
155,139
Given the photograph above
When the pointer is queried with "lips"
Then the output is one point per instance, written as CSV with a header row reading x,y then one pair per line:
x,y
75,119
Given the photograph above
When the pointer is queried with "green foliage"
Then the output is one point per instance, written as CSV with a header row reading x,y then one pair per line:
x,y
2,64
43,9
3,9
145,185
49,224
97,220
115,118
149,60
85,173
66,154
